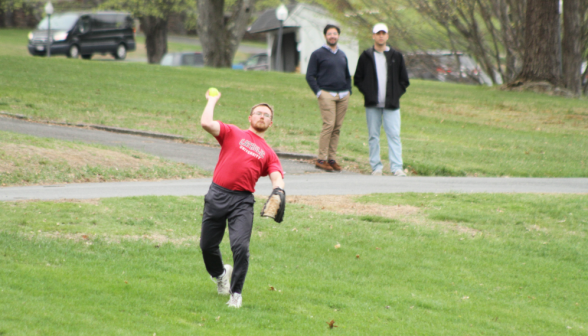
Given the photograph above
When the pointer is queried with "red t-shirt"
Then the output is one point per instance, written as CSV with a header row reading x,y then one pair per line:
x,y
244,157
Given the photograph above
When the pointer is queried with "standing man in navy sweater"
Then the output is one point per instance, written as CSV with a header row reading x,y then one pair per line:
x,y
382,77
328,77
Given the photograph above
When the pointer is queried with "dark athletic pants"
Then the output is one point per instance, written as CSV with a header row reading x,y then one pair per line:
x,y
220,205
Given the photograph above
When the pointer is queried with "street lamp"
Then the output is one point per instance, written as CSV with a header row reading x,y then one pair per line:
x,y
49,11
281,15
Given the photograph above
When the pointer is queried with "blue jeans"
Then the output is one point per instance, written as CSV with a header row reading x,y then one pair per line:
x,y
391,118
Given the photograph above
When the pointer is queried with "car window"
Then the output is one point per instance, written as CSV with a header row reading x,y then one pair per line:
x,y
63,21
199,59
104,21
192,59
252,61
85,24
129,22
120,21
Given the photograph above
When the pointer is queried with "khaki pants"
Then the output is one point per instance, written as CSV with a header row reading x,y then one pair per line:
x,y
333,111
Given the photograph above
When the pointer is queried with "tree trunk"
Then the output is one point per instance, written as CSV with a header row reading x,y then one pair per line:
x,y
155,30
541,47
572,53
220,37
511,24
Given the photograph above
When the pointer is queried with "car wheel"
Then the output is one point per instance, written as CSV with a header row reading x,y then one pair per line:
x,y
73,52
87,57
121,52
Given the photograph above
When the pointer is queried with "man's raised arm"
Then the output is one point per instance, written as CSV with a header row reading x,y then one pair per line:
x,y
207,121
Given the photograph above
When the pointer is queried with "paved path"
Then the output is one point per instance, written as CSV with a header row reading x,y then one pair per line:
x,y
298,179
308,184
200,156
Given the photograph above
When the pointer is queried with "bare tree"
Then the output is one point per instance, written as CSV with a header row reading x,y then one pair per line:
x,y
220,33
584,40
540,57
511,15
518,40
571,46
487,30
155,29
153,16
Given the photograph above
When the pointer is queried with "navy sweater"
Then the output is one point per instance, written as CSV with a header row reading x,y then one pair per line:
x,y
328,71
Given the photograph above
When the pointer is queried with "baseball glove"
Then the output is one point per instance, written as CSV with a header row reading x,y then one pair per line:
x,y
275,206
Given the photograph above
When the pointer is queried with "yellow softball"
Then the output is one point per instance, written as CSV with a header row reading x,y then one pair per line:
x,y
212,92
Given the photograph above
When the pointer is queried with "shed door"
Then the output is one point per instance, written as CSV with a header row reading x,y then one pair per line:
x,y
290,56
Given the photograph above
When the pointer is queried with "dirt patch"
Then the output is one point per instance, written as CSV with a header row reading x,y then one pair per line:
x,y
93,201
155,238
74,157
346,205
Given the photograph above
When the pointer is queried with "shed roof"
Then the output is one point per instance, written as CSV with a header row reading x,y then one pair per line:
x,y
267,21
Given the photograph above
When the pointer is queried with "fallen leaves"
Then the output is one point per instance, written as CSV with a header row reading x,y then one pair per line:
x,y
332,324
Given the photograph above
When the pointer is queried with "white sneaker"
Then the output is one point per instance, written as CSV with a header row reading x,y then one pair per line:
x,y
223,282
399,172
235,300
377,172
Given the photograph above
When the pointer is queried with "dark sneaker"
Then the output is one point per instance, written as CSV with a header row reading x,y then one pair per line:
x,y
335,165
322,164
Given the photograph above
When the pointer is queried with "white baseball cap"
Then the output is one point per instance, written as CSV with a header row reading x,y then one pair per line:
x,y
380,27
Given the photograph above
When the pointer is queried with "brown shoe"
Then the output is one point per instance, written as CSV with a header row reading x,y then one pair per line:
x,y
322,164
335,165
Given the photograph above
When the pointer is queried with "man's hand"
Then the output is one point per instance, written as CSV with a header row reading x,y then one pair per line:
x,y
215,97
208,123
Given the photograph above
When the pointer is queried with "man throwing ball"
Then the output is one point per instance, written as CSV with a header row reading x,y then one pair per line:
x,y
244,157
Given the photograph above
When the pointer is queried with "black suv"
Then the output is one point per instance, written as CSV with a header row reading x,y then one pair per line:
x,y
74,34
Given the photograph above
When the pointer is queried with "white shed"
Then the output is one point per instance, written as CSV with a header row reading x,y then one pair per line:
x,y
302,34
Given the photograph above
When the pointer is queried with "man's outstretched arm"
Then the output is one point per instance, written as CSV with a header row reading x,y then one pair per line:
x,y
277,180
208,123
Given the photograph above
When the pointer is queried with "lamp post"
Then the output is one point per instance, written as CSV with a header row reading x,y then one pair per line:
x,y
281,15
49,11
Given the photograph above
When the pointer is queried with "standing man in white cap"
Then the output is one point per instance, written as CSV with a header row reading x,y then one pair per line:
x,y
382,78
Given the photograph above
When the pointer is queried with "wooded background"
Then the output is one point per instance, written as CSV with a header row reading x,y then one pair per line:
x,y
515,42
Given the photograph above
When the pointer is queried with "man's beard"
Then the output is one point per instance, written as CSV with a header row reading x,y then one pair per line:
x,y
260,127
332,44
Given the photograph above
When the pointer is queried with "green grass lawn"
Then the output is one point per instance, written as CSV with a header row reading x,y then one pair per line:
x,y
448,129
422,264
477,264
